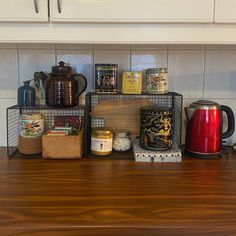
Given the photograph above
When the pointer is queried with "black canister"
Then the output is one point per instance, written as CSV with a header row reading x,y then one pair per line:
x,y
26,95
156,128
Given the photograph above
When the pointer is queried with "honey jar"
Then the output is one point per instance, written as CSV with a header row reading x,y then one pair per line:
x,y
101,141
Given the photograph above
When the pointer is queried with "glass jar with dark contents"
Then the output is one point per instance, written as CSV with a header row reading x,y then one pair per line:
x,y
106,78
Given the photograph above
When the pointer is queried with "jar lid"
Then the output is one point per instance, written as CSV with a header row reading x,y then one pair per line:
x,y
121,132
102,130
156,70
61,69
106,66
156,108
31,116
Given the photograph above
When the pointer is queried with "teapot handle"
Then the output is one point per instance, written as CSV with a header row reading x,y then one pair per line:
x,y
78,77
231,121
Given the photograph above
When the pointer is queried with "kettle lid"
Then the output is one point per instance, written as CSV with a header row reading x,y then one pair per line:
x,y
61,69
205,105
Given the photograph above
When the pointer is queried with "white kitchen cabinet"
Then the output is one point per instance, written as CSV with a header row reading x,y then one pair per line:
x,y
24,11
225,11
201,11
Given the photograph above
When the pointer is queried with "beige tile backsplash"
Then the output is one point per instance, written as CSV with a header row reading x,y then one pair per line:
x,y
196,71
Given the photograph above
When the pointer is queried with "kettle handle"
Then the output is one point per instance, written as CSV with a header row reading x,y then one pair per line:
x,y
78,77
231,121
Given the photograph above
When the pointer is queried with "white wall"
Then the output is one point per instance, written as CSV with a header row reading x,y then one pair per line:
x,y
196,71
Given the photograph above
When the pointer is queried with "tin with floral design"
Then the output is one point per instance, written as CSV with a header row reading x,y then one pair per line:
x,y
157,80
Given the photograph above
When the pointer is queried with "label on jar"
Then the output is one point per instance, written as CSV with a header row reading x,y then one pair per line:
x,y
31,128
101,145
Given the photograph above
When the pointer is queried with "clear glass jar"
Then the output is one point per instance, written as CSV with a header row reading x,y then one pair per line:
x,y
101,141
121,141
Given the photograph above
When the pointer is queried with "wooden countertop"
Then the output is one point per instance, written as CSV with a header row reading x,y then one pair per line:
x,y
117,197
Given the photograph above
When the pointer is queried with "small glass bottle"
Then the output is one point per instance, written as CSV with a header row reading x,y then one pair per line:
x,y
26,95
121,142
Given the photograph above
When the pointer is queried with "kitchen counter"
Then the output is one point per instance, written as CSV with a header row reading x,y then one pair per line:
x,y
117,197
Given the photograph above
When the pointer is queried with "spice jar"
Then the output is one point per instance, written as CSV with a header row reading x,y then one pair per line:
x,y
121,141
101,141
157,80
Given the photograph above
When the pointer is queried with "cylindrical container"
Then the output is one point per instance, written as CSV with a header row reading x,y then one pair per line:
x,y
106,78
157,80
156,128
101,141
26,95
121,142
31,125
30,146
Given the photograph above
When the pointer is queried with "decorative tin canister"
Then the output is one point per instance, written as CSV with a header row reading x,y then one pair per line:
x,y
132,82
157,80
156,128
106,78
31,125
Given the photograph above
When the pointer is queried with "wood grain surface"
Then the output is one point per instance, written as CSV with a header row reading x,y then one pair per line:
x,y
121,113
117,197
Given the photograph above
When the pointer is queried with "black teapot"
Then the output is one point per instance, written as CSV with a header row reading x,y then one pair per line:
x,y
63,88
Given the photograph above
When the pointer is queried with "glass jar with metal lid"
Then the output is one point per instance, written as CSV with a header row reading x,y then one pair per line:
x,y
101,141
157,80
106,78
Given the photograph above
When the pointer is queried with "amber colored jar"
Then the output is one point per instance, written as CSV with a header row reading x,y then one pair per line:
x,y
101,141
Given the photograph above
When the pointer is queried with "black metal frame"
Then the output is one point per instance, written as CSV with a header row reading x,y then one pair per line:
x,y
13,117
172,99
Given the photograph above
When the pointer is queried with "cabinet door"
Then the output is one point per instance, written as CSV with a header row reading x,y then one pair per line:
x,y
225,11
24,10
132,10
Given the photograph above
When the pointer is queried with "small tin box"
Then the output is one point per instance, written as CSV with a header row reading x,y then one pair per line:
x,y
157,80
106,78
132,82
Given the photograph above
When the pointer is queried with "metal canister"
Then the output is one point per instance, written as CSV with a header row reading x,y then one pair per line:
x,y
157,80
156,128
31,125
106,78
101,141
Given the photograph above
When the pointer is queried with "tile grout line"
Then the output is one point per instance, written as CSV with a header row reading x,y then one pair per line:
x,y
204,73
18,64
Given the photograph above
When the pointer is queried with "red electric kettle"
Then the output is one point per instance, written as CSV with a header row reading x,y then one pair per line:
x,y
204,131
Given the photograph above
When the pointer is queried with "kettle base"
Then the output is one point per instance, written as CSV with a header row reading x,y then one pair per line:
x,y
203,155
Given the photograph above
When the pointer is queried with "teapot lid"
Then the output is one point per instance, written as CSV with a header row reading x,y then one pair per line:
x,y
205,105
61,69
